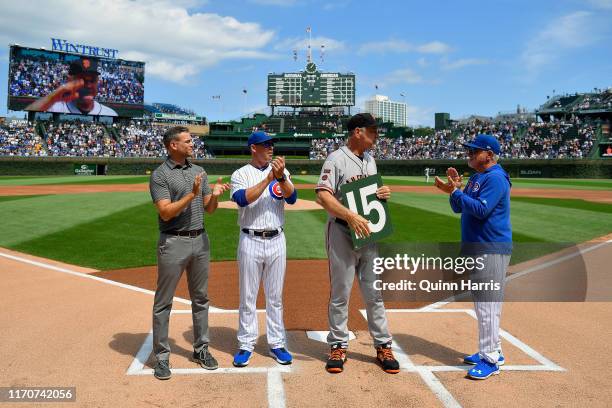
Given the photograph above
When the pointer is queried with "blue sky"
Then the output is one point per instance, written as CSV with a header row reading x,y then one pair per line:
x,y
462,57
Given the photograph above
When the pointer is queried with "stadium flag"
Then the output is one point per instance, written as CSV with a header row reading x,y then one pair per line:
x,y
308,29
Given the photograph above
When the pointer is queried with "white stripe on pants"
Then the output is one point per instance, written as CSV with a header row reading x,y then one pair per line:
x,y
488,306
261,258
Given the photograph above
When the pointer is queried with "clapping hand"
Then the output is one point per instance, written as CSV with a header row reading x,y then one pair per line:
x,y
278,167
454,181
220,187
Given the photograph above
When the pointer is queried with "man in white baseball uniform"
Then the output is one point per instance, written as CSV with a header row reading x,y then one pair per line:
x,y
261,189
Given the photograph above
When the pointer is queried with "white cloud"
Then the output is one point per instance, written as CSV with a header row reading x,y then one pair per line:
x,y
418,116
383,47
170,71
175,43
401,76
434,47
571,31
423,62
401,46
462,63
301,44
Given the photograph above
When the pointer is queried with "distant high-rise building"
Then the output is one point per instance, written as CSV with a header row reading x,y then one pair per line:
x,y
388,111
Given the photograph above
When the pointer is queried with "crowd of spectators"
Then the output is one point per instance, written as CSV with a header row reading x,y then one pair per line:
x,y
35,77
518,140
19,138
84,139
143,140
602,100
120,82
78,139
173,109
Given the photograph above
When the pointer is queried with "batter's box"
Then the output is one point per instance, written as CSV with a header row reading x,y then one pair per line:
x,y
437,339
223,345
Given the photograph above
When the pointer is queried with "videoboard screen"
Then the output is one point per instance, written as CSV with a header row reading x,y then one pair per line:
x,y
57,82
311,88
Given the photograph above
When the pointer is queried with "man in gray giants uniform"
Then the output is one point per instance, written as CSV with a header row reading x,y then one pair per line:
x,y
180,192
343,166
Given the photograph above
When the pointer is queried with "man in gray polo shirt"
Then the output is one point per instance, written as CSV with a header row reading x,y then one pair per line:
x,y
181,192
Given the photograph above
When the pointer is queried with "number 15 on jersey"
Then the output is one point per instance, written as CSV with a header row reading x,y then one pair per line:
x,y
360,197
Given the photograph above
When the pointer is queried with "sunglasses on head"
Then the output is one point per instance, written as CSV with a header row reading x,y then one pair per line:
x,y
267,143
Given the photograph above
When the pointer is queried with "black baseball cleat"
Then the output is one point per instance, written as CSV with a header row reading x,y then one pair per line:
x,y
162,370
337,357
205,359
385,357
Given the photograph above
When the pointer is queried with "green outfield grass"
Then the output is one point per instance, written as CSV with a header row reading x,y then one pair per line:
x,y
390,180
119,230
84,180
573,184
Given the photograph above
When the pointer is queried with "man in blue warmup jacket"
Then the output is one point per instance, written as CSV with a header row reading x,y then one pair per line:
x,y
486,232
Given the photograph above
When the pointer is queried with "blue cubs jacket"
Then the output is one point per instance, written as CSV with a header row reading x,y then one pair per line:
x,y
484,205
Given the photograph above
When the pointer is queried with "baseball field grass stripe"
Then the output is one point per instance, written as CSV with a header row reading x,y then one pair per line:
x,y
95,229
40,180
395,182
546,219
76,180
305,234
4,199
564,183
555,224
122,239
38,216
83,180
101,243
567,203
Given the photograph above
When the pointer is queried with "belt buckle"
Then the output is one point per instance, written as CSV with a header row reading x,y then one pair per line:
x,y
266,234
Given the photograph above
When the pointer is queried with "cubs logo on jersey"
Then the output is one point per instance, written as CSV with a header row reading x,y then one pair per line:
x,y
476,187
275,190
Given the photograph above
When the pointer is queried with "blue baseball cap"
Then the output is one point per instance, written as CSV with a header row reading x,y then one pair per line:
x,y
484,142
259,137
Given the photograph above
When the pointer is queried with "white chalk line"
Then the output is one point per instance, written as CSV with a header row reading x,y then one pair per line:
x,y
87,276
276,392
432,382
276,396
516,275
426,372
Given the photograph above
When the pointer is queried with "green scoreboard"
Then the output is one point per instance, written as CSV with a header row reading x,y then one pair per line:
x,y
311,88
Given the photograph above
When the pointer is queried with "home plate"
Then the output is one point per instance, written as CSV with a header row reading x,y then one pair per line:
x,y
322,336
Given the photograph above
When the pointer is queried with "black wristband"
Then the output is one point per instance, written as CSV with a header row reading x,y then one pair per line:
x,y
281,179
